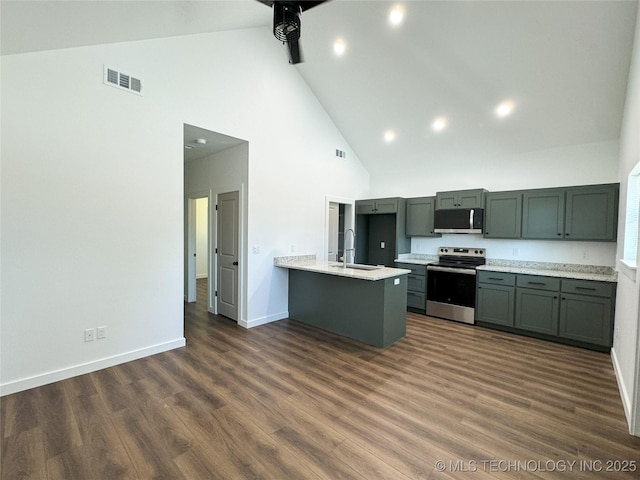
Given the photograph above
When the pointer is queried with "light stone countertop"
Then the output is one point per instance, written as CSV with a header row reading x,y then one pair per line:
x,y
596,274
310,264
561,270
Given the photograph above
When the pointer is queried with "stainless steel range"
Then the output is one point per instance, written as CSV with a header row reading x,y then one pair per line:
x,y
451,283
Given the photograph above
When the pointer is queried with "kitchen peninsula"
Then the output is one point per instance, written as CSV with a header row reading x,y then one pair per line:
x,y
368,305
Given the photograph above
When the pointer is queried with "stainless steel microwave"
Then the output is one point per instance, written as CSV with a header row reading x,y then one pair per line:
x,y
459,220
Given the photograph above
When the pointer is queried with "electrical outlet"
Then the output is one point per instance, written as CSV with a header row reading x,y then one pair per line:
x,y
101,333
293,248
89,334
515,252
256,249
381,244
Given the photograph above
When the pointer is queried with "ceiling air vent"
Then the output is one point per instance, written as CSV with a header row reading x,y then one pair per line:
x,y
341,153
123,81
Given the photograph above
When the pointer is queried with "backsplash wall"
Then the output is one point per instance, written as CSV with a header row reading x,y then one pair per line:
x,y
584,253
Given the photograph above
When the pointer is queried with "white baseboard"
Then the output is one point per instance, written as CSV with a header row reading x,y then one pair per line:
x,y
622,388
263,320
64,373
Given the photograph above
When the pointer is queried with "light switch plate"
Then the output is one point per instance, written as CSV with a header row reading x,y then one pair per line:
x,y
396,281
381,244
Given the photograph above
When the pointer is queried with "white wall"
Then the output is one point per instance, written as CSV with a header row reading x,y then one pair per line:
x,y
625,343
92,177
558,167
202,237
573,165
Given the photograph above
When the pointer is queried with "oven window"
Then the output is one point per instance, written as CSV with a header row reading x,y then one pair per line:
x,y
451,288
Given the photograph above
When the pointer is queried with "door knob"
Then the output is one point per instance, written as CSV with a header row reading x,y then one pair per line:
x,y
235,263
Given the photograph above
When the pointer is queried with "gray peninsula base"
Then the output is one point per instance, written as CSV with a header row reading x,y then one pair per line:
x,y
372,312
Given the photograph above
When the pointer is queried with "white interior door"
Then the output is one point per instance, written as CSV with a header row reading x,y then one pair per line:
x,y
332,241
228,248
190,253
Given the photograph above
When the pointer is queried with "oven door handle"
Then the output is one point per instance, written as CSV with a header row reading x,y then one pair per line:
x,y
464,271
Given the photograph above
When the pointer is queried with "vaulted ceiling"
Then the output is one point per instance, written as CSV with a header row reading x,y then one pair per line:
x,y
562,65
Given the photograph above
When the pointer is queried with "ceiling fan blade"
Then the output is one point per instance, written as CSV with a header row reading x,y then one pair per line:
x,y
295,53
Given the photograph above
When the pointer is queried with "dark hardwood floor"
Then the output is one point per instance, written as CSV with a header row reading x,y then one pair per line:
x,y
286,401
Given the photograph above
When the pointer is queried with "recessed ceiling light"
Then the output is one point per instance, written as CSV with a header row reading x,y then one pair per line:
x,y
439,124
339,47
396,15
504,109
389,136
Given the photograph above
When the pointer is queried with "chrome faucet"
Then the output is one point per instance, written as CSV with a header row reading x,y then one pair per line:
x,y
346,250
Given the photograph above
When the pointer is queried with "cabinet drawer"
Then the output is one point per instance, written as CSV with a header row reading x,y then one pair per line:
x,y
496,278
415,269
416,300
587,287
416,283
538,282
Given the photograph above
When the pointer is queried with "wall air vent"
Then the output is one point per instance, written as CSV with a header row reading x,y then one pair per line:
x,y
341,153
123,81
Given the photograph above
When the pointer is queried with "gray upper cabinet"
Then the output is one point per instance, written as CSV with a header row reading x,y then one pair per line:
x,y
503,215
379,205
574,213
460,199
420,217
543,214
592,213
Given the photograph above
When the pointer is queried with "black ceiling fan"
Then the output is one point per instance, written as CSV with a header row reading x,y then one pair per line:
x,y
286,23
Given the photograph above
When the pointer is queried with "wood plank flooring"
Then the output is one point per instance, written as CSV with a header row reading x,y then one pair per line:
x,y
287,401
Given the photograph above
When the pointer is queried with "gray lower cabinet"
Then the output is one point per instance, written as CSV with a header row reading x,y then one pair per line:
x,y
578,312
495,299
416,287
586,311
420,212
495,304
537,311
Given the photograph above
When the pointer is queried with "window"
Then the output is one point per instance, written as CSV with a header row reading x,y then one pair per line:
x,y
631,220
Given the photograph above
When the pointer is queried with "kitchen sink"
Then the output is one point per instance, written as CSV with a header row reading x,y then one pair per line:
x,y
358,266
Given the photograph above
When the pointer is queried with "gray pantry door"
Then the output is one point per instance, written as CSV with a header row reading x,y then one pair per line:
x,y
228,254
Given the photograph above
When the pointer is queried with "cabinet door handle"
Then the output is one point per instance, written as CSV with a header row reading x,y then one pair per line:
x,y
536,283
559,234
496,278
591,289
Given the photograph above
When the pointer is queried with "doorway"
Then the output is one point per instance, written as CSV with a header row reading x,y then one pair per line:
x,y
216,166
339,219
198,245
